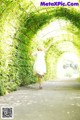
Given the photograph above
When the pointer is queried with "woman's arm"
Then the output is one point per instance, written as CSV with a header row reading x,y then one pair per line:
x,y
34,54
49,46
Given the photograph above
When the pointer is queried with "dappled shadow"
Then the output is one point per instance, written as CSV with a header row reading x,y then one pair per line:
x,y
56,85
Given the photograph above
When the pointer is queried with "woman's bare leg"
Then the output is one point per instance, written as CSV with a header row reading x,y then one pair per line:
x,y
40,81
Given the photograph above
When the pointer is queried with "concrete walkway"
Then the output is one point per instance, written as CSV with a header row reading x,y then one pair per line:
x,y
56,101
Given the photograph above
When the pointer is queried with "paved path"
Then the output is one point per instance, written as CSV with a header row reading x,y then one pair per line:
x,y
56,101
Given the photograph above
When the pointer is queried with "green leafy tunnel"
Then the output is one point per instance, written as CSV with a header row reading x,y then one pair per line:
x,y
23,26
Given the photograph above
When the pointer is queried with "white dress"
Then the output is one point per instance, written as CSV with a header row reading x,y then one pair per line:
x,y
40,64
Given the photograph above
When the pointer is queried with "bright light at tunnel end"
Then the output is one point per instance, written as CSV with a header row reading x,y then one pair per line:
x,y
59,3
68,66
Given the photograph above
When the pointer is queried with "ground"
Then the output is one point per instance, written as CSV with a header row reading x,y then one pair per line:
x,y
56,101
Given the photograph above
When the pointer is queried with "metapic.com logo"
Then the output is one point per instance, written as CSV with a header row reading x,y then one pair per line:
x,y
59,3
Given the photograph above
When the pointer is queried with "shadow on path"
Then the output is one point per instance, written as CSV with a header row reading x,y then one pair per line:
x,y
58,85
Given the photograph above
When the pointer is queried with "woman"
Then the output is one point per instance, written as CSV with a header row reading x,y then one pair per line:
x,y
40,63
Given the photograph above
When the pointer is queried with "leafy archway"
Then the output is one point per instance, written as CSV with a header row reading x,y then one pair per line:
x,y
19,24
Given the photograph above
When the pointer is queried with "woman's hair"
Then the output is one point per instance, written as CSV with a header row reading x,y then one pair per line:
x,y
40,48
